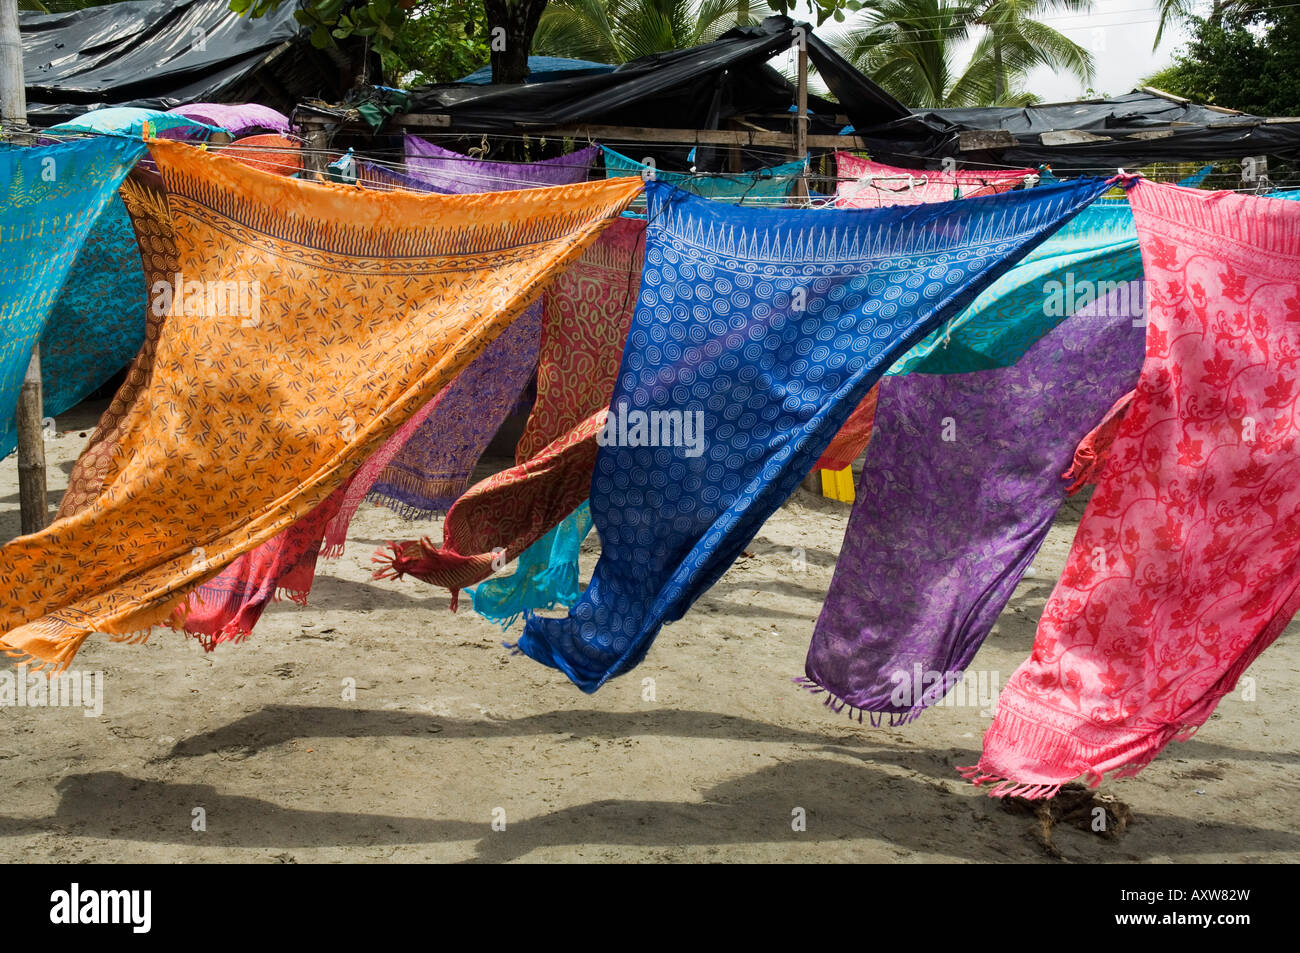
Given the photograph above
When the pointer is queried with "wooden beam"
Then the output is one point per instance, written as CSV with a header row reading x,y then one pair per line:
x,y
692,137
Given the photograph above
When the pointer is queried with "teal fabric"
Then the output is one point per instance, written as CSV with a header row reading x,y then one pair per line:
x,y
545,576
772,182
1091,255
130,120
1195,180
97,325
52,197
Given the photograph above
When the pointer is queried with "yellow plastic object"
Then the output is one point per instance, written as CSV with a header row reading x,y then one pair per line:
x,y
838,484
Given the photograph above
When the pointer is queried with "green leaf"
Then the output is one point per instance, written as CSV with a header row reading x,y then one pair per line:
x,y
320,38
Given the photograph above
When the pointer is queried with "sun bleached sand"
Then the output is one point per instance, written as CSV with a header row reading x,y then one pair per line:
x,y
707,752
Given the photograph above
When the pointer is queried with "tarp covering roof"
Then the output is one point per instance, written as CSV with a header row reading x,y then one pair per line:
x,y
545,69
696,88
158,54
1132,130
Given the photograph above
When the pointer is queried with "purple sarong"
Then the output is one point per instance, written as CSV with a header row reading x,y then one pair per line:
x,y
449,171
961,482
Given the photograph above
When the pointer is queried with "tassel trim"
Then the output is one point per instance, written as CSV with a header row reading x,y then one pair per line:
x,y
836,703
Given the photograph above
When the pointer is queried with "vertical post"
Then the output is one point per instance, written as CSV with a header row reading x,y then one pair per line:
x,y
813,481
801,112
32,504
317,142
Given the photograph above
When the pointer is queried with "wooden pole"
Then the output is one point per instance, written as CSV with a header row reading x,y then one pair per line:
x,y
32,503
813,481
801,115
317,142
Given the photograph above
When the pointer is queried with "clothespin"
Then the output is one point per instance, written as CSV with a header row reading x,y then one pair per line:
x,y
145,130
690,157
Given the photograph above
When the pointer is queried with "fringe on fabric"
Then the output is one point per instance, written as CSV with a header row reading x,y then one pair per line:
x,y
894,719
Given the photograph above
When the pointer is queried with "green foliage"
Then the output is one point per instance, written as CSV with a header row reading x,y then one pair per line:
x,y
1246,59
615,31
437,40
911,48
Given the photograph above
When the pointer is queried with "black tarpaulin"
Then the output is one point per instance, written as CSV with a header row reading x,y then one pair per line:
x,y
156,55
697,88
1132,130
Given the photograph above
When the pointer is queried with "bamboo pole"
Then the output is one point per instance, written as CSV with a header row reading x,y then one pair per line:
x,y
32,501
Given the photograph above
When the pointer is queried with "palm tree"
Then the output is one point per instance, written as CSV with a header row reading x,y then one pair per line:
x,y
912,49
1016,42
615,31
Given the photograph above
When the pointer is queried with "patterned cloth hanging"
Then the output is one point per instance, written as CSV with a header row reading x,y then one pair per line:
x,y
97,325
53,197
545,576
748,388
1091,256
1186,564
238,119
267,151
452,172
958,490
914,186
772,182
586,313
361,307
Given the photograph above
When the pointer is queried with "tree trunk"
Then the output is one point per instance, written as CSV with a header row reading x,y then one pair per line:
x,y
998,85
511,25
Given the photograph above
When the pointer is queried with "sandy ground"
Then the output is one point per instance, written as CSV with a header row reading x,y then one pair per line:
x,y
448,732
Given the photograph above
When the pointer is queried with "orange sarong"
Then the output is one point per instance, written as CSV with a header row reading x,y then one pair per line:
x,y
367,304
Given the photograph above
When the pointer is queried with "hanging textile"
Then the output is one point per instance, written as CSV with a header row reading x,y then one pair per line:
x,y
145,200
375,176
772,182
238,119
1186,564
757,385
1091,256
97,324
417,472
452,172
847,445
463,415
129,121
545,576
364,305
1091,453
958,490
434,466
914,186
53,197
269,152
586,313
